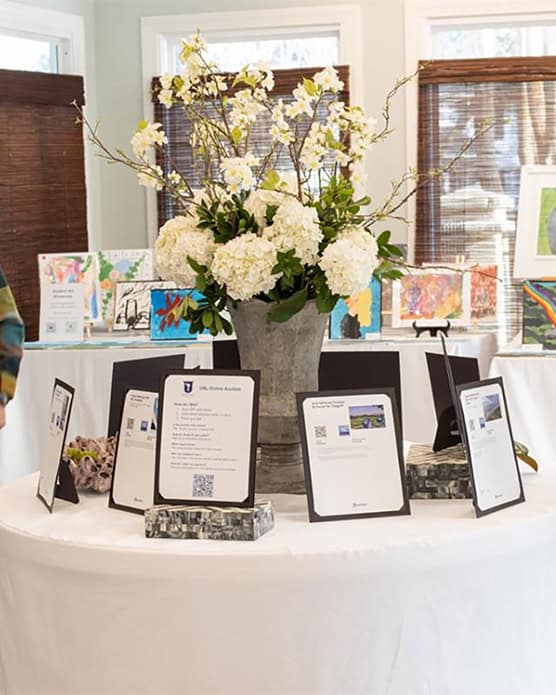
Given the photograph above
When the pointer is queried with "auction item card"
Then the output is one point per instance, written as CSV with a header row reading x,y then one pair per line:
x,y
352,454
134,462
54,441
490,448
61,313
207,441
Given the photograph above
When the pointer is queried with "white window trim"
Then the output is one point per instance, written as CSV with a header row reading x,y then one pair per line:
x,y
420,18
69,29
345,19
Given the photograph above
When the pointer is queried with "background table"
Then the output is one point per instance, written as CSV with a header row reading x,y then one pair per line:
x,y
89,369
530,385
439,603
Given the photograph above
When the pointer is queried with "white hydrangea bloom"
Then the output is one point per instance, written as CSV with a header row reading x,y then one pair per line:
x,y
328,80
361,238
179,239
238,174
244,265
258,201
150,181
295,226
147,136
348,269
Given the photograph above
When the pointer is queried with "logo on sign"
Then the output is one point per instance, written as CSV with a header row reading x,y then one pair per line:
x,y
188,387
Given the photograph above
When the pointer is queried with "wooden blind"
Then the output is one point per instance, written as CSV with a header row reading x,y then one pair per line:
x,y
176,123
42,179
471,211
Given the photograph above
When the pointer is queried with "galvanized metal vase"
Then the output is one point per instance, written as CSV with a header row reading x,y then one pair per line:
x,y
287,355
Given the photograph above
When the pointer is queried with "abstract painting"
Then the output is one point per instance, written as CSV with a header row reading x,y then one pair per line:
x,y
546,237
484,291
62,268
166,314
430,297
539,313
132,304
358,316
121,266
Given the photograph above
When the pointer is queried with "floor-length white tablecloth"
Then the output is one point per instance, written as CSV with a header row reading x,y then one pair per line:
x,y
439,603
89,370
530,386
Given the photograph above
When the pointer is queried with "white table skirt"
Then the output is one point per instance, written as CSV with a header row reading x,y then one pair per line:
x,y
530,385
439,603
89,370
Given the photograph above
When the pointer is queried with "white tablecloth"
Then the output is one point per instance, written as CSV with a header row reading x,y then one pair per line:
x,y
530,385
439,603
89,370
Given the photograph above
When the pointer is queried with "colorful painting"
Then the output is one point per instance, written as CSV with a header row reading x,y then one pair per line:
x,y
64,268
132,303
121,266
546,236
484,292
357,317
539,313
431,297
166,314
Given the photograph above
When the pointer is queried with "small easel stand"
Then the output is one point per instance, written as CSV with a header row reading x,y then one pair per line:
x,y
433,330
65,486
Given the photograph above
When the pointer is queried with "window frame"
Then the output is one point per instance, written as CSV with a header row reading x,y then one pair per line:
x,y
420,18
344,19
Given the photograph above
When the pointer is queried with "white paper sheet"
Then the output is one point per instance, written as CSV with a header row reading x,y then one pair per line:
x,y
353,454
61,314
205,437
54,440
491,448
133,484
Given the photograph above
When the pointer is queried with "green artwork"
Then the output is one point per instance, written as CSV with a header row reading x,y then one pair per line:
x,y
546,238
539,313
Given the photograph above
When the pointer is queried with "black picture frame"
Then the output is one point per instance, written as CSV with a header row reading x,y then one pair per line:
x,y
461,388
390,393
249,500
112,504
64,487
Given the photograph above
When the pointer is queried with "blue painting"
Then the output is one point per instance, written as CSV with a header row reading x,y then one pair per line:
x,y
167,307
356,317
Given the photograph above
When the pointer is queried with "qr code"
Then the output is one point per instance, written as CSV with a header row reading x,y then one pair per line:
x,y
203,485
130,423
320,431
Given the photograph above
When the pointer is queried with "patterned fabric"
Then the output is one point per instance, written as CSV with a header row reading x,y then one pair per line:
x,y
12,334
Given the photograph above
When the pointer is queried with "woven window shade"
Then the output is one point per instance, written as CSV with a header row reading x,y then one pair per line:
x,y
176,123
42,179
471,211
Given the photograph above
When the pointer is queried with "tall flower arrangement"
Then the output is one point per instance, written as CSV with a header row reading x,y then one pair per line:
x,y
256,230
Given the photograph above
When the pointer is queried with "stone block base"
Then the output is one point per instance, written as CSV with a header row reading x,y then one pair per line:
x,y
438,475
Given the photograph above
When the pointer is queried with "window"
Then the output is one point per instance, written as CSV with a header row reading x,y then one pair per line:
x,y
303,50
471,211
32,52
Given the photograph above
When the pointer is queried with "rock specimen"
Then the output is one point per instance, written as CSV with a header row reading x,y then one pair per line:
x,y
91,462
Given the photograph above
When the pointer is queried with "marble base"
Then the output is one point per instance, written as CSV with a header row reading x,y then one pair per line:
x,y
209,523
438,475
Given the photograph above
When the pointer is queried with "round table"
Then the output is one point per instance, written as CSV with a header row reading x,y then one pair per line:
x,y
438,603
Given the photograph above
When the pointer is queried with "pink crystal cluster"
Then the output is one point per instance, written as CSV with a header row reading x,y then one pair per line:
x,y
92,461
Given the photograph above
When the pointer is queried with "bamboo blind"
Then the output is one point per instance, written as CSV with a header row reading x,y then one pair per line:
x,y
42,179
471,211
176,123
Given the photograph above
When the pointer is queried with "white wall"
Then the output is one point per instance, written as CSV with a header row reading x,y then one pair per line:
x,y
114,92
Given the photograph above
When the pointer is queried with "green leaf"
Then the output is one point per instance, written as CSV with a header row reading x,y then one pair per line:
x,y
237,135
271,181
207,318
384,238
310,87
271,210
285,309
197,267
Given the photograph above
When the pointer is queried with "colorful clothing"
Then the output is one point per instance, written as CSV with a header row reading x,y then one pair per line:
x,y
12,333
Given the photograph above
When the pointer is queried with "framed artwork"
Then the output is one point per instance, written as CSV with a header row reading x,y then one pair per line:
x,y
484,292
132,303
166,309
358,316
121,266
67,268
430,296
539,313
535,247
